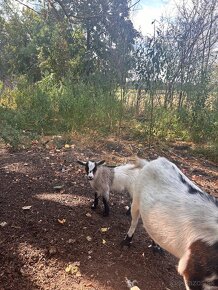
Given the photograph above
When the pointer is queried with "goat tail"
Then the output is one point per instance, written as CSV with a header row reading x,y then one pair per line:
x,y
140,163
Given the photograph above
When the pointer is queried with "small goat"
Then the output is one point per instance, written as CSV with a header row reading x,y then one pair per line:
x,y
181,218
104,179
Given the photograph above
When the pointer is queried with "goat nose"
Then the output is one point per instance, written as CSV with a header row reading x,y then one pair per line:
x,y
90,177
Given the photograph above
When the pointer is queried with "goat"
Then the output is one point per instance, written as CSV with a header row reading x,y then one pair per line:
x,y
104,179
181,218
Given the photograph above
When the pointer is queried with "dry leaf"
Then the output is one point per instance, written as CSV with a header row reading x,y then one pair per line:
x,y
27,207
104,230
131,284
68,269
52,250
71,241
66,146
73,269
78,274
88,214
103,242
16,227
63,221
88,238
3,224
58,187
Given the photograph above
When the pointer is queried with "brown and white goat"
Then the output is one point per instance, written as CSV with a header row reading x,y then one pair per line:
x,y
181,218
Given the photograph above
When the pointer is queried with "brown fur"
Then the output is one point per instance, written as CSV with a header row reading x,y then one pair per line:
x,y
104,180
202,264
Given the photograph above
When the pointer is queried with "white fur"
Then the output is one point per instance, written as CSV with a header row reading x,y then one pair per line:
x,y
91,166
126,175
183,262
104,179
124,178
173,217
119,179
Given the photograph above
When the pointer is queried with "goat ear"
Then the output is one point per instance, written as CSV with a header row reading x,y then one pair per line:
x,y
100,162
81,162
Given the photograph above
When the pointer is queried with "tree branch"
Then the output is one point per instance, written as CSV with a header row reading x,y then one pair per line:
x,y
63,8
134,4
55,10
27,6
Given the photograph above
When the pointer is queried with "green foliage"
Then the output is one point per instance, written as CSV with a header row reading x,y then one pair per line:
x,y
210,151
65,68
167,126
50,108
83,106
11,131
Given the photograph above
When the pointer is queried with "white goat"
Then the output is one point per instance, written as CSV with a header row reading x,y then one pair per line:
x,y
104,179
179,217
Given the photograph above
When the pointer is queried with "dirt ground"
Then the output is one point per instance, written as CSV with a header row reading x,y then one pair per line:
x,y
51,239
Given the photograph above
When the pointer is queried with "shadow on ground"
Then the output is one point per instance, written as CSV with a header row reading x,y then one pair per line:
x,y
37,244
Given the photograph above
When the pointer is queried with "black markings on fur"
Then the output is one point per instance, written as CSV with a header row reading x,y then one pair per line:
x,y
182,179
95,168
215,247
87,168
106,207
193,190
212,283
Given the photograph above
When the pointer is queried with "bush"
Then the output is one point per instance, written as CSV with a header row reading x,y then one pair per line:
x,y
10,131
52,107
48,107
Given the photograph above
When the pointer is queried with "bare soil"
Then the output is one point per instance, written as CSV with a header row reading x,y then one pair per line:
x,y
51,239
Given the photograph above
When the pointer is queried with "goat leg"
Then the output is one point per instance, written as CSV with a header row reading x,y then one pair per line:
x,y
128,212
126,242
95,203
106,207
156,248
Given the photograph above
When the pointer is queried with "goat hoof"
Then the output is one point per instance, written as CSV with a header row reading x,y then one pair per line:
x,y
126,242
105,214
128,212
157,249
160,251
